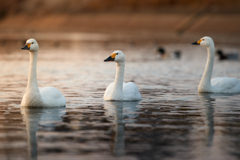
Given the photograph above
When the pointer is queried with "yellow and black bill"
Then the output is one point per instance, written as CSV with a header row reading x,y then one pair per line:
x,y
197,43
27,46
111,58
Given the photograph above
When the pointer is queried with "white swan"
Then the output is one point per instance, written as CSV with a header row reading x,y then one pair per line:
x,y
216,85
118,90
34,96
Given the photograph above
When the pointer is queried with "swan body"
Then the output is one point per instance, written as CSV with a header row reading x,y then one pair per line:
x,y
35,96
118,90
216,85
130,92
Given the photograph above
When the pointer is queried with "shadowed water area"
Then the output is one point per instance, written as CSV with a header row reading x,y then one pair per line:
x,y
172,121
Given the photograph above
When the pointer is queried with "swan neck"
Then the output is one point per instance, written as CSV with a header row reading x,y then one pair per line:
x,y
32,75
118,83
207,75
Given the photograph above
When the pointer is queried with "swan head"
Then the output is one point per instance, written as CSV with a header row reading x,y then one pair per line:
x,y
31,45
117,56
205,41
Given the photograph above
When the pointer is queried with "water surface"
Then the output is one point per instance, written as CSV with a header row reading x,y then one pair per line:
x,y
172,121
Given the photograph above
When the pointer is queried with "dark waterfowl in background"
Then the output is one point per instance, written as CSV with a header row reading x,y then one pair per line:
x,y
169,55
229,56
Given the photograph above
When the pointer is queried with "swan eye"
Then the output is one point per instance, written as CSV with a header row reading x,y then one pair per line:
x,y
32,42
202,39
116,53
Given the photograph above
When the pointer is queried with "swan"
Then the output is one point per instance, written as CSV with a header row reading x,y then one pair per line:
x,y
118,90
216,85
34,96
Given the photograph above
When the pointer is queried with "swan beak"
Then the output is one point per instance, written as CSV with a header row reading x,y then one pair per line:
x,y
195,43
27,46
109,59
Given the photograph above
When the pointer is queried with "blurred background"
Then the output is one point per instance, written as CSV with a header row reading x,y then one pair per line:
x,y
154,21
172,121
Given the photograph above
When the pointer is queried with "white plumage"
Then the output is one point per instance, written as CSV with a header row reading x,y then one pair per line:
x,y
118,90
225,85
34,96
130,92
216,85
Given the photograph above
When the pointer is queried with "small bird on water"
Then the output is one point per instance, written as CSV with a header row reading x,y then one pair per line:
x,y
229,56
172,55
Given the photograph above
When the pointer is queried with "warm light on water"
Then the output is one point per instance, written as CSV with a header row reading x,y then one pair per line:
x,y
172,121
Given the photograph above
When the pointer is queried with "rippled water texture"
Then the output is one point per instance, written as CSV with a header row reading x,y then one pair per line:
x,y
172,121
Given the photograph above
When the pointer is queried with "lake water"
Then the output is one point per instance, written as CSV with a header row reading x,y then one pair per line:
x,y
172,121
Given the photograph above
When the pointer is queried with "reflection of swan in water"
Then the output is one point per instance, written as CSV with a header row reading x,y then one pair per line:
x,y
212,102
207,101
120,110
32,117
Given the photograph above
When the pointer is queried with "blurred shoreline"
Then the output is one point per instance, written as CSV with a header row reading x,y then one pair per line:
x,y
159,22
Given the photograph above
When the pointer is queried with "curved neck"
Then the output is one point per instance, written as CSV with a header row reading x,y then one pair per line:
x,y
32,85
118,83
205,82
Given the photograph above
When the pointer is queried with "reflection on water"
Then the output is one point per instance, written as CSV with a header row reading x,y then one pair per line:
x,y
208,102
172,121
216,115
120,111
33,117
